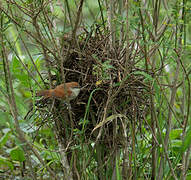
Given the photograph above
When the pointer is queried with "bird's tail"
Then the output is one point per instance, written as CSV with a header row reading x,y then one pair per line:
x,y
45,93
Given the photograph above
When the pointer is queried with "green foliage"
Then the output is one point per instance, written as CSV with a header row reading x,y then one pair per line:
x,y
4,139
85,121
5,162
17,154
187,140
32,34
101,70
118,173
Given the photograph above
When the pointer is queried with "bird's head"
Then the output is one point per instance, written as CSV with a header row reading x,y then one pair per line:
x,y
74,87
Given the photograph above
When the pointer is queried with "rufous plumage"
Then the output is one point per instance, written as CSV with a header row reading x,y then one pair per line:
x,y
62,91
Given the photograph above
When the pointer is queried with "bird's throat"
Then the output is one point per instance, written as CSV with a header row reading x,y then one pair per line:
x,y
75,92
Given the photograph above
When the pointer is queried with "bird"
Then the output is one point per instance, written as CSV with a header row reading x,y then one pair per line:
x,y
68,90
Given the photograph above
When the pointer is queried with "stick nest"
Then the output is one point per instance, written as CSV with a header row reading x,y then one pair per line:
x,y
101,69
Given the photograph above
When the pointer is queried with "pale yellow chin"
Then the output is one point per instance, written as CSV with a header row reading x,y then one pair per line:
x,y
75,92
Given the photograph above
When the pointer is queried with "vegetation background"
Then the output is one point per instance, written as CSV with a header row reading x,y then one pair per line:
x,y
140,129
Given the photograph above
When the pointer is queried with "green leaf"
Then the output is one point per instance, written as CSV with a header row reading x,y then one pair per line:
x,y
16,66
188,176
147,76
157,91
4,118
187,141
109,119
6,162
118,174
19,72
17,154
87,108
4,139
175,133
176,143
